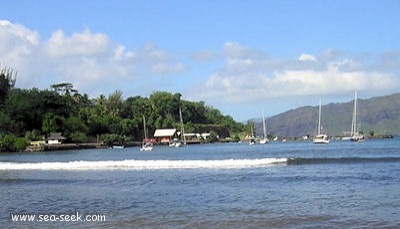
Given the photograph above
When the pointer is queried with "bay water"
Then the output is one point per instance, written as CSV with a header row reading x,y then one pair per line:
x,y
230,185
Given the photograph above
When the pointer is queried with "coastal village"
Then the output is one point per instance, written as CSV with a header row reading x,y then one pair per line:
x,y
62,118
175,138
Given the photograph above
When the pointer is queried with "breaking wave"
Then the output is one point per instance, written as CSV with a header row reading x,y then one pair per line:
x,y
144,164
187,164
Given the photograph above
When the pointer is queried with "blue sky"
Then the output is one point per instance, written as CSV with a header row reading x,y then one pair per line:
x,y
242,57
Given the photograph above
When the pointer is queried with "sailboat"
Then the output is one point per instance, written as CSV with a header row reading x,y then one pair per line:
x,y
354,134
147,144
264,139
320,138
182,140
251,138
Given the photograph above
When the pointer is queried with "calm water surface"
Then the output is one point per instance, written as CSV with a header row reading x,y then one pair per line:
x,y
278,185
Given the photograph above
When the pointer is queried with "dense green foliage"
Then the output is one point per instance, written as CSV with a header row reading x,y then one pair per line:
x,y
34,113
10,142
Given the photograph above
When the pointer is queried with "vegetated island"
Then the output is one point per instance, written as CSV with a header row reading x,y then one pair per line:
x,y
62,118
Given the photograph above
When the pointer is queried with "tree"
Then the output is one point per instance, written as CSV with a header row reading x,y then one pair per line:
x,y
52,123
128,127
250,127
33,135
5,122
21,106
74,124
82,100
165,103
4,88
372,133
114,103
7,81
63,88
110,139
97,125
136,107
12,143
236,138
78,137
213,137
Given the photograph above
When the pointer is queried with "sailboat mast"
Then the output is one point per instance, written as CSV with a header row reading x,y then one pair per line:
x,y
182,127
354,119
264,128
319,118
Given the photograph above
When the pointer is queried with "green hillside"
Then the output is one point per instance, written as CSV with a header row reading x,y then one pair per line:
x,y
32,115
380,115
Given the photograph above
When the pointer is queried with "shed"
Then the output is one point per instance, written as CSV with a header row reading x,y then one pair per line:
x,y
55,138
164,135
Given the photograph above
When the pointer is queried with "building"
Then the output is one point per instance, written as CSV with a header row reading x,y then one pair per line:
x,y
165,135
55,138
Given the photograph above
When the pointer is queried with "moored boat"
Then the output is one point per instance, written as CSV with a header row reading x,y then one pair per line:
x,y
355,135
147,144
320,138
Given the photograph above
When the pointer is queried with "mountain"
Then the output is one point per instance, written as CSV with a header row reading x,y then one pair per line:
x,y
380,115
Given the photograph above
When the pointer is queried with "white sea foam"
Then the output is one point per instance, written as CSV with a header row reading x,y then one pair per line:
x,y
143,164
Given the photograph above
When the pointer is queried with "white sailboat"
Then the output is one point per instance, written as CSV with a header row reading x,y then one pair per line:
x,y
354,134
251,138
182,140
264,139
147,145
320,138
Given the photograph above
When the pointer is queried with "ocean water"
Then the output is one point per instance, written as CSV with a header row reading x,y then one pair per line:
x,y
277,185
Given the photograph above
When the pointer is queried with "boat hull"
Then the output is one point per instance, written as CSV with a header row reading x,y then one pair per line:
x,y
321,139
264,141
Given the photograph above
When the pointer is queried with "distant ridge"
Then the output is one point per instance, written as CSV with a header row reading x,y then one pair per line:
x,y
378,114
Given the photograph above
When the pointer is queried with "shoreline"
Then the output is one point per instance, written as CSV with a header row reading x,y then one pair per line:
x,y
73,146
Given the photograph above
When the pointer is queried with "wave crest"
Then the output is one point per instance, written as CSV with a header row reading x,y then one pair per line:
x,y
144,164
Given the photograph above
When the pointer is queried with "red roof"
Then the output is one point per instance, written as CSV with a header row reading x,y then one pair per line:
x,y
152,140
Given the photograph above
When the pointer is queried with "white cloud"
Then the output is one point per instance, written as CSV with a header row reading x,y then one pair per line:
x,y
16,41
18,32
152,52
203,56
79,44
121,54
234,50
248,78
92,62
307,57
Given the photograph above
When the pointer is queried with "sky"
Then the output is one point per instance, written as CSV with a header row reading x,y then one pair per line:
x,y
241,57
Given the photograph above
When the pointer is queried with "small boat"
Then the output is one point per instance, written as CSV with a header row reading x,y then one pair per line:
x,y
176,143
118,147
251,139
172,143
147,144
182,141
320,138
